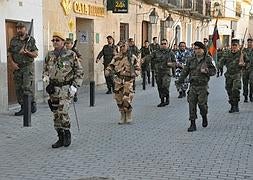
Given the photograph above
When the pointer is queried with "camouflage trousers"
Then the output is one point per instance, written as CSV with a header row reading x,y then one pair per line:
x,y
23,79
197,95
61,102
233,87
163,84
247,79
123,93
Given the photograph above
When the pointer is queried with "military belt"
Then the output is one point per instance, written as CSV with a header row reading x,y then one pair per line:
x,y
60,84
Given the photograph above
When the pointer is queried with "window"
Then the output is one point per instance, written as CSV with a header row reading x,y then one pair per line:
x,y
124,31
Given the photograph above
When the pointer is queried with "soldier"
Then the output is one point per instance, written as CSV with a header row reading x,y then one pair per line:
x,y
154,46
22,61
70,46
163,61
199,68
63,71
247,73
219,55
230,59
206,42
125,67
181,56
145,67
108,52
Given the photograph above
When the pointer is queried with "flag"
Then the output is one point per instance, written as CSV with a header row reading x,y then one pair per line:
x,y
214,43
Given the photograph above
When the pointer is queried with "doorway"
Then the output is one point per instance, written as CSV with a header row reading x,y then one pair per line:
x,y
144,32
85,44
11,31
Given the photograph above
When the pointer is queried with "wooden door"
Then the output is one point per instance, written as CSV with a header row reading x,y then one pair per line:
x,y
10,32
144,31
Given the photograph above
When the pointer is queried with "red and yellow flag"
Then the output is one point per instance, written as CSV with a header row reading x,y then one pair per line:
x,y
213,45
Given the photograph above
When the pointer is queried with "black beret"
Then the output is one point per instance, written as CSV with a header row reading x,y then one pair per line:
x,y
20,24
235,41
249,39
109,37
200,45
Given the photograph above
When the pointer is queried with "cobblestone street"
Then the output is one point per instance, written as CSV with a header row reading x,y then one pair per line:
x,y
156,147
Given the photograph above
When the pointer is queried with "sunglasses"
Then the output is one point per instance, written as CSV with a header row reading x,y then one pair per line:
x,y
163,43
55,40
234,44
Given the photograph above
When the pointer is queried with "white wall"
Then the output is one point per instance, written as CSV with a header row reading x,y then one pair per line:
x,y
19,10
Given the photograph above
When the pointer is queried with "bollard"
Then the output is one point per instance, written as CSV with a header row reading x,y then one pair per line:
x,y
144,80
27,110
153,78
92,93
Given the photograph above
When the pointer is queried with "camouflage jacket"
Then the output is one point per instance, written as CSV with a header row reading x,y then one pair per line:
x,y
249,53
231,61
154,47
108,52
160,59
64,68
193,69
16,45
121,65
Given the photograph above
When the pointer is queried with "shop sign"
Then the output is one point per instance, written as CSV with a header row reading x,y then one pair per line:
x,y
120,6
83,8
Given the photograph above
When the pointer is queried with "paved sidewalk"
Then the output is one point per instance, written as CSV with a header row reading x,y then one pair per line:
x,y
156,147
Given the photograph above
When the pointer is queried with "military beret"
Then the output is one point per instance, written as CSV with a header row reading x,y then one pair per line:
x,y
200,45
20,24
109,37
249,39
69,40
59,35
235,41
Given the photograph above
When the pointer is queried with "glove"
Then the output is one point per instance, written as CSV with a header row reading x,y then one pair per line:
x,y
72,90
45,79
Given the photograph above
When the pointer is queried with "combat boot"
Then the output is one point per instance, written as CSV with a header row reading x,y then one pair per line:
x,y
67,138
109,91
180,94
236,107
122,118
250,98
232,109
204,121
20,112
162,103
245,98
184,93
167,102
33,107
129,119
192,126
59,143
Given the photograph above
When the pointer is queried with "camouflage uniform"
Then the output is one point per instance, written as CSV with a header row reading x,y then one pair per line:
x,y
233,77
108,52
247,76
198,90
163,73
126,68
23,77
63,69
181,57
145,67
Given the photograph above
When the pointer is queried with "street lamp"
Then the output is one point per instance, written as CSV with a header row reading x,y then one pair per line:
x,y
169,22
153,17
251,11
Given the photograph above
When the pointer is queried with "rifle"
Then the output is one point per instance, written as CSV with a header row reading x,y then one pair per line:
x,y
241,60
75,50
29,35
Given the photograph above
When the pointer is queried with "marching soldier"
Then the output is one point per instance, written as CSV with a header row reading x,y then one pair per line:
x,y
230,59
154,46
145,67
64,73
163,60
108,52
125,67
199,68
22,61
247,73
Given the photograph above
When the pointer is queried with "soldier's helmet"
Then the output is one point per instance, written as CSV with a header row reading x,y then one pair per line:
x,y
59,35
69,40
20,25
